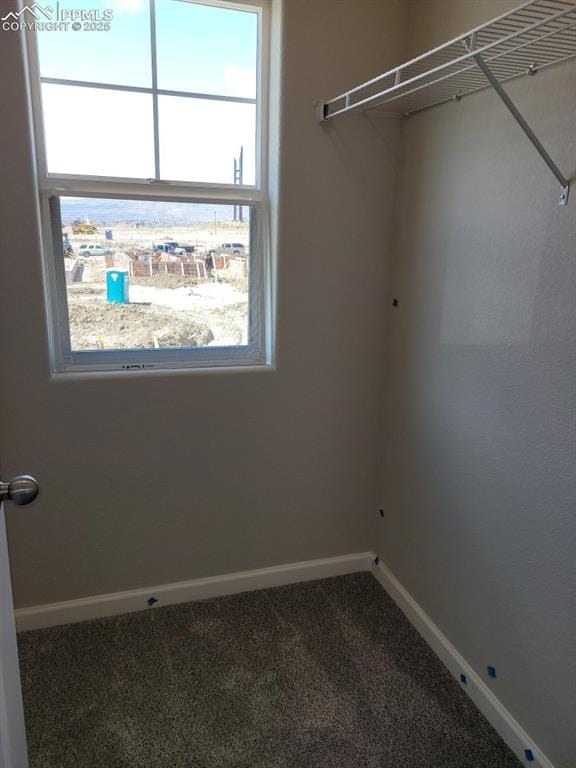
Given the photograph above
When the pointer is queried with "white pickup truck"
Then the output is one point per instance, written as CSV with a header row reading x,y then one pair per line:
x,y
170,246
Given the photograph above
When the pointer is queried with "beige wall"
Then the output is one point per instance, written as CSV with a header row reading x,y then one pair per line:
x,y
148,480
479,482
255,469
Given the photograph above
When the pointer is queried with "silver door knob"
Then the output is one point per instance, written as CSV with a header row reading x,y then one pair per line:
x,y
21,490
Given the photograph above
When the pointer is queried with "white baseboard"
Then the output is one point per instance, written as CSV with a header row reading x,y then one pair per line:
x,y
99,606
493,710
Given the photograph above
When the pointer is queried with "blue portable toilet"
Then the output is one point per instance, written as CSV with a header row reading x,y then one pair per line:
x,y
117,286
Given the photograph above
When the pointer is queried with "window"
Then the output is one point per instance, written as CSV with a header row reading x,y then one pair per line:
x,y
150,123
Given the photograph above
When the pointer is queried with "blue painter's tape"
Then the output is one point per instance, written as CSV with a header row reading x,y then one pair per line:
x,y
463,679
151,601
529,755
491,671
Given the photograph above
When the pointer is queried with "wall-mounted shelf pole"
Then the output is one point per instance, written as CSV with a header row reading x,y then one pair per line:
x,y
536,143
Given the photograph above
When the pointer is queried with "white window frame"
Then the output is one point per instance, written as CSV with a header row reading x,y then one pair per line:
x,y
52,186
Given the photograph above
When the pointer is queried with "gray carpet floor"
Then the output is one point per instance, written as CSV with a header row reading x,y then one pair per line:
x,y
327,674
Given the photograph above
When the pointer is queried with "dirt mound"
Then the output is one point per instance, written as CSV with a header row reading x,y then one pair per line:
x,y
165,281
95,324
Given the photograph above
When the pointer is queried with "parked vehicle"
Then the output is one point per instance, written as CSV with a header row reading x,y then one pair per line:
x,y
178,249
235,249
92,249
170,246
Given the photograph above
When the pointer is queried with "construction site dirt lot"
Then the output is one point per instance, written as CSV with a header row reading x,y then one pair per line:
x,y
218,316
164,310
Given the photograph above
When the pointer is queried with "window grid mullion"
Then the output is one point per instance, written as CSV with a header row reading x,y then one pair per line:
x,y
153,61
142,89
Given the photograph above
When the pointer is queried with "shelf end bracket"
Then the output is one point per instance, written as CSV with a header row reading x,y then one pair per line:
x,y
535,141
321,109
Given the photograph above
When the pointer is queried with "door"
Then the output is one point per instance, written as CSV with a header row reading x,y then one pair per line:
x,y
21,490
17,248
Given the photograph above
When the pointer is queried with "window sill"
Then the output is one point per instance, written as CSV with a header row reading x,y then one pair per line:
x,y
160,373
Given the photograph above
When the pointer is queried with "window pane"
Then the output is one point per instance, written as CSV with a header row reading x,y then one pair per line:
x,y
200,139
119,55
92,131
204,49
155,275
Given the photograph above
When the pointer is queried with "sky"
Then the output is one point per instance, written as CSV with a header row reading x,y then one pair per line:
x,y
200,48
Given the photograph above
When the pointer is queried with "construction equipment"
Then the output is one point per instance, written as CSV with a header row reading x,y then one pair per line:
x,y
83,227
68,250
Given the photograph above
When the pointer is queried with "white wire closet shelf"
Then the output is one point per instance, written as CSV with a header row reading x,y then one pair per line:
x,y
536,35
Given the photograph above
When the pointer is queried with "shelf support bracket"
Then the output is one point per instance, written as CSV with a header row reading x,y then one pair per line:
x,y
321,110
536,143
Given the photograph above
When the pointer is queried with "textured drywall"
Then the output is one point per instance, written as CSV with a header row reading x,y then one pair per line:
x,y
479,487
149,480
